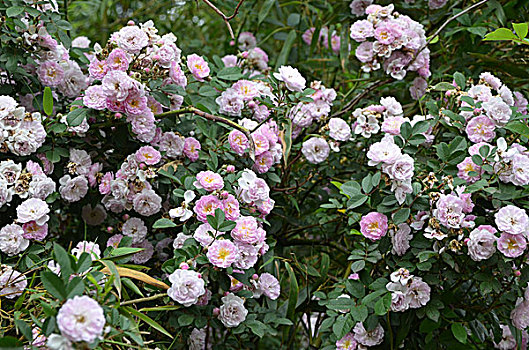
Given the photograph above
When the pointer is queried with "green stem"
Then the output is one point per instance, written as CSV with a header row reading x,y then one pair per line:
x,y
214,118
140,300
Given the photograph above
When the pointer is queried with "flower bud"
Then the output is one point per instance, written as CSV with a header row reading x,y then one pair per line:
x,y
354,276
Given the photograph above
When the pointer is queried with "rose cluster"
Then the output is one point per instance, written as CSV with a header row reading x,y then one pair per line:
x,y
237,247
253,60
392,41
407,291
133,56
304,114
21,133
33,186
130,187
52,63
487,107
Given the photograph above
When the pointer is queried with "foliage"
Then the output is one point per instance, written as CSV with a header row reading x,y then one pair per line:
x,y
166,185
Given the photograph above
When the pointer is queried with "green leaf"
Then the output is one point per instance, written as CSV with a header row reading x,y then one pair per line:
x,y
257,327
367,185
401,216
359,313
64,24
163,223
356,201
293,293
500,34
207,91
443,86
518,127
14,11
75,287
53,284
76,117
521,29
358,265
459,332
129,284
10,343
117,279
227,226
263,12
25,329
405,130
383,305
355,288
63,258
47,101
342,326
230,73
185,320
460,80
432,313
148,320
124,251
65,39
293,19
481,31
285,50
375,180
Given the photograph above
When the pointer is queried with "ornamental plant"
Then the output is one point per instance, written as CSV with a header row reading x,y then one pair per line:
x,y
251,174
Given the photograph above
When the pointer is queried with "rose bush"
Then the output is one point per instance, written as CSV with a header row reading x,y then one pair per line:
x,y
361,185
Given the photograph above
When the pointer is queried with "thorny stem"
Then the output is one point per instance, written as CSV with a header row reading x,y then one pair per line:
x,y
432,37
357,99
351,104
153,297
451,19
226,19
214,118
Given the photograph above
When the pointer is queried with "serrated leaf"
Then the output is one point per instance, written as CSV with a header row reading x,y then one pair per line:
x,y
148,320
459,332
501,34
342,326
401,216
229,73
518,127
163,223
114,271
257,327
14,11
443,86
47,101
359,313
521,29
76,117
460,80
53,284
